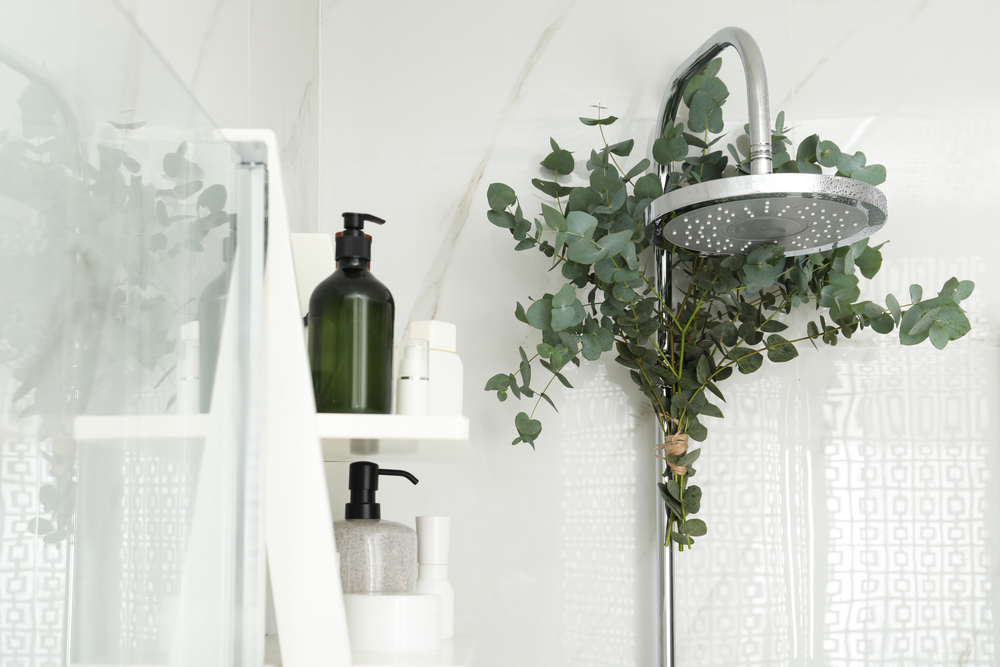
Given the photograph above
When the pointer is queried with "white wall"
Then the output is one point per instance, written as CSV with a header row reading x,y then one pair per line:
x,y
847,493
251,63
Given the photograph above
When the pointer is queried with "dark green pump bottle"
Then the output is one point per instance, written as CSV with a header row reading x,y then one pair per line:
x,y
350,329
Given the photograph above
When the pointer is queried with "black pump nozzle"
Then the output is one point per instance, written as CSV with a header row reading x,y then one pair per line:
x,y
358,220
353,243
363,483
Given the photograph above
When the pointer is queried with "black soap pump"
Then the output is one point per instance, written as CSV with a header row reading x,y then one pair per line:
x,y
376,556
350,329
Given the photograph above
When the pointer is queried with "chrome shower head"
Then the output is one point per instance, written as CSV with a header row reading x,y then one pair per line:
x,y
806,213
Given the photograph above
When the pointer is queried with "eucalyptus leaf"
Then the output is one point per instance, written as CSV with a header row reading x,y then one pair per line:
x,y
551,188
827,154
726,311
807,149
526,425
500,196
560,161
747,360
872,174
540,313
704,113
598,121
893,305
693,527
779,349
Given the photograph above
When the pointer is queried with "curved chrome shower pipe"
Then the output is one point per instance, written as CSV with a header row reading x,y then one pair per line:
x,y
757,100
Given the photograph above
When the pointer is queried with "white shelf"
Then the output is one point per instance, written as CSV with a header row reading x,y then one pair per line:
x,y
345,437
403,438
142,427
455,652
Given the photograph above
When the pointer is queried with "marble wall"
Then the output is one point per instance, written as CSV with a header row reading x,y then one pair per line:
x,y
251,63
847,493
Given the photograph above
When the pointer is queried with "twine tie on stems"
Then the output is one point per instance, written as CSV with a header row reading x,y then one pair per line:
x,y
676,445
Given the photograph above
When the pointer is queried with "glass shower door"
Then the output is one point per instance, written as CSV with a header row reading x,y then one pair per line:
x,y
131,255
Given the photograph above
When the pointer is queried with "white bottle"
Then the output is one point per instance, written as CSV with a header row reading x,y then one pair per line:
x,y
432,567
412,390
445,366
188,370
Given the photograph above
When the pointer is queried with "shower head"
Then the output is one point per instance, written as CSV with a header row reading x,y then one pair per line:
x,y
806,213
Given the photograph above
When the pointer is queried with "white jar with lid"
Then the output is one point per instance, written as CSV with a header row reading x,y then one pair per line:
x,y
444,366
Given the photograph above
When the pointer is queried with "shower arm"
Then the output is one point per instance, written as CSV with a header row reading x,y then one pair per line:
x,y
757,103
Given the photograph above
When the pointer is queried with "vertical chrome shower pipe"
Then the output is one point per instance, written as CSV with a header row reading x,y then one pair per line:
x,y
760,163
664,570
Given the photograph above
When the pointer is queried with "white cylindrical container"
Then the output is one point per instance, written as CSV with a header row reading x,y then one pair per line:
x,y
444,365
188,370
393,622
432,567
413,388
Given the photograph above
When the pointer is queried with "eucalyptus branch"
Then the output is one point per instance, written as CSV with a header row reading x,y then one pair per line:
x,y
728,303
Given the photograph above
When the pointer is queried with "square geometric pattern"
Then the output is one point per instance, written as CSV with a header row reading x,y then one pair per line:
x,y
33,574
856,528
601,611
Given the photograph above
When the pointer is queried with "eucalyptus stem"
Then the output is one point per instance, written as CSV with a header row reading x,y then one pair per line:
x,y
739,299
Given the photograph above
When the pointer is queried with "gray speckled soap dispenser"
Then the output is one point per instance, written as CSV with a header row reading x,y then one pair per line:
x,y
376,556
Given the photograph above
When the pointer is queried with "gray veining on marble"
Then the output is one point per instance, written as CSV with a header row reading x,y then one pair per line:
x,y
426,305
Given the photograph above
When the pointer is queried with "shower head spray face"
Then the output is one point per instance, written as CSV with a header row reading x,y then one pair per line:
x,y
806,213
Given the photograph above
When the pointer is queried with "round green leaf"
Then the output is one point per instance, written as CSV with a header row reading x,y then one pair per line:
x,y
747,360
827,154
540,314
560,161
705,113
500,196
527,426
873,174
693,527
779,349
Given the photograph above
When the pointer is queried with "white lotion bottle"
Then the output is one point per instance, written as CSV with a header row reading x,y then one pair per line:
x,y
432,567
445,366
413,388
188,370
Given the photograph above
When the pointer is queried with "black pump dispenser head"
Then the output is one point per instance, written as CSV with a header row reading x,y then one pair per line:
x,y
353,243
363,483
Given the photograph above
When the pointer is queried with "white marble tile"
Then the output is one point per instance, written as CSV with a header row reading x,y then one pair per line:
x,y
424,106
251,63
206,44
283,85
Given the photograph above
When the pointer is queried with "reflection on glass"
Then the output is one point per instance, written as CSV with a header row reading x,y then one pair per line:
x,y
121,508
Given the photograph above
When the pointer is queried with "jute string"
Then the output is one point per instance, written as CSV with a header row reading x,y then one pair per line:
x,y
676,445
